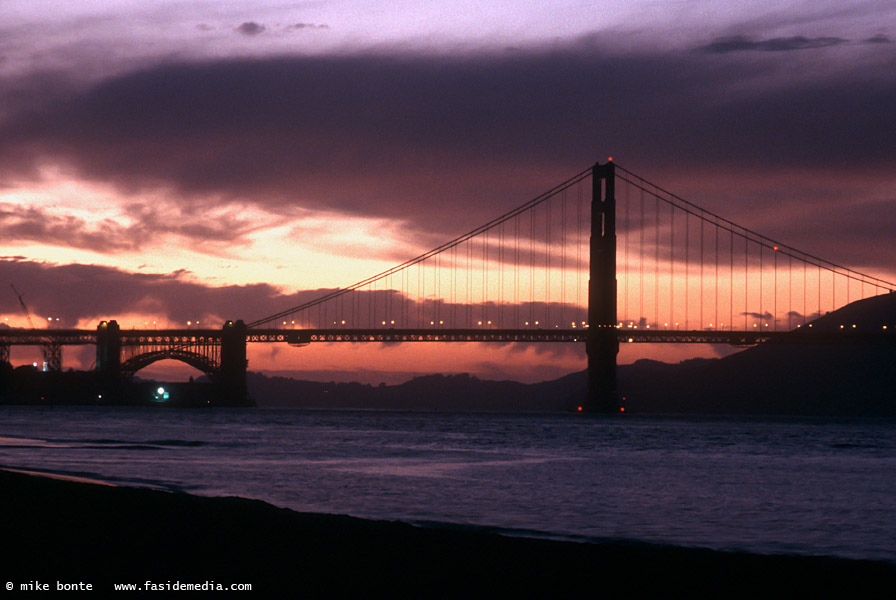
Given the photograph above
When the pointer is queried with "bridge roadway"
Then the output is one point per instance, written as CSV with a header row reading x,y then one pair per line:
x,y
301,337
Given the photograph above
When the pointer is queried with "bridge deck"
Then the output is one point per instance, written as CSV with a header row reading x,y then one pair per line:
x,y
142,337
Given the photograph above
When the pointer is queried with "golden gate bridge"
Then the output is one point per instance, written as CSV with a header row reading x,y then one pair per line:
x,y
603,258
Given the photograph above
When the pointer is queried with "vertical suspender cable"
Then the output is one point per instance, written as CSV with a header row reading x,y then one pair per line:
x,y
671,264
641,261
656,263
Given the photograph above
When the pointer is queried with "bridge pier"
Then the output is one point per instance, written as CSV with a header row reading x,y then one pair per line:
x,y
602,344
232,376
108,359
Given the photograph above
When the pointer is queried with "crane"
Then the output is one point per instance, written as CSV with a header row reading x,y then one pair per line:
x,y
52,349
24,307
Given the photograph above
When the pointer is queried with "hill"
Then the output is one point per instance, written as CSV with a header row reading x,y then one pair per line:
x,y
847,379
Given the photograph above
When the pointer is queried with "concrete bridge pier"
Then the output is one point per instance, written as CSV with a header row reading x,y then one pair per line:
x,y
232,376
108,361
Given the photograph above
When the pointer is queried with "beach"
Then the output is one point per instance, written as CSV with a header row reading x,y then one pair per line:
x,y
64,532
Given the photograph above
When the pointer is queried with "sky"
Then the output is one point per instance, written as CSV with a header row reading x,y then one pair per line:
x,y
164,162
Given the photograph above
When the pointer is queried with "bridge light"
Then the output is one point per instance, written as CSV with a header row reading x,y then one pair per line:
x,y
775,248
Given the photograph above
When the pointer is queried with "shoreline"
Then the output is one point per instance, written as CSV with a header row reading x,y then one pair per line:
x,y
70,531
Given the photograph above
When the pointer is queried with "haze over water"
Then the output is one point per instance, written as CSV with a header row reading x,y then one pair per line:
x,y
804,486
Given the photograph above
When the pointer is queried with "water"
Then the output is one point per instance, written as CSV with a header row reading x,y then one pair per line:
x,y
821,487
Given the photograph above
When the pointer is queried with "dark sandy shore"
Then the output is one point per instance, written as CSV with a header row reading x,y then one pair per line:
x,y
67,531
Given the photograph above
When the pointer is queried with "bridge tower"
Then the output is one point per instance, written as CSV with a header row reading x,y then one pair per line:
x,y
233,363
602,344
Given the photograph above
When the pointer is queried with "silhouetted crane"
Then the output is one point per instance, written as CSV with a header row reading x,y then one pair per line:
x,y
52,349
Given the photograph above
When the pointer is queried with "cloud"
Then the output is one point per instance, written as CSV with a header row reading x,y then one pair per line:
x,y
250,28
445,143
28,224
740,43
146,225
80,292
301,26
878,39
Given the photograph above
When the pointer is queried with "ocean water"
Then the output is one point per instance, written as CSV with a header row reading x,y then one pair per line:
x,y
796,486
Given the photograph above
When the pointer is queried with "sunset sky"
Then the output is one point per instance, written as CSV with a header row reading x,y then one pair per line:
x,y
170,161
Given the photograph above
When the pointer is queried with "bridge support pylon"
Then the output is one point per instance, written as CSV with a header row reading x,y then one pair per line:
x,y
234,364
602,344
108,360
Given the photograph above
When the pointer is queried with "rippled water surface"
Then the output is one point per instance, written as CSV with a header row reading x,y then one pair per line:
x,y
773,486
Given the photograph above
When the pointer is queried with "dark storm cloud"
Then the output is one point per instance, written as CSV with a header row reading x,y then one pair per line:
x,y
250,28
878,39
740,43
444,143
